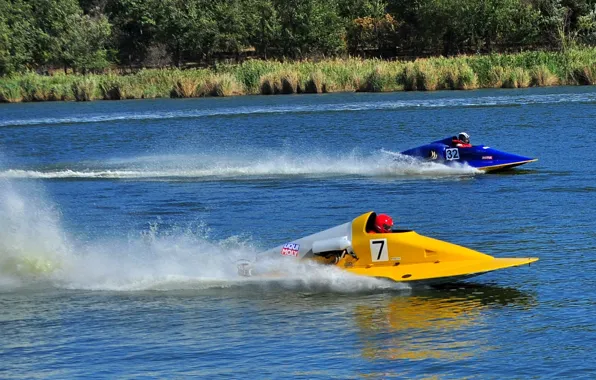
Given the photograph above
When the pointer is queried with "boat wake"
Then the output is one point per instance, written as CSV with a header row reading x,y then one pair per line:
x,y
36,253
249,166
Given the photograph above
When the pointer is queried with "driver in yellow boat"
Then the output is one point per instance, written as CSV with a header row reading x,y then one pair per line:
x,y
383,224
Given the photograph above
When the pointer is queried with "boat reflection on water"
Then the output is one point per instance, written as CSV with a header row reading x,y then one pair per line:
x,y
447,323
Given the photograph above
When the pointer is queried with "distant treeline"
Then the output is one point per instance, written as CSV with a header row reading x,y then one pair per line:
x,y
92,35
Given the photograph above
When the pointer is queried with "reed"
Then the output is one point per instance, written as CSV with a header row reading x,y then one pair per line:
x,y
61,88
289,82
84,88
34,88
427,77
155,83
574,66
449,77
185,88
222,85
382,77
467,80
111,87
543,77
10,92
343,75
509,79
496,77
408,77
270,84
130,89
316,83
584,75
250,73
516,77
375,81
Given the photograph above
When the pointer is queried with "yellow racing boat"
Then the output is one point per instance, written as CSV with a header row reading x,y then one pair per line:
x,y
397,255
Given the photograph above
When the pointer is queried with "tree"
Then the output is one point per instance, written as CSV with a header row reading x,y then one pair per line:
x,y
265,34
134,28
18,37
232,26
83,43
186,28
38,33
310,27
369,26
458,26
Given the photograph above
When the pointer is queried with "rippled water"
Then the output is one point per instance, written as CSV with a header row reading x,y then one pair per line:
x,y
120,223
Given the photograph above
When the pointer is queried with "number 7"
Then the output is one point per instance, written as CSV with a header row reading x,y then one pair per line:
x,y
382,242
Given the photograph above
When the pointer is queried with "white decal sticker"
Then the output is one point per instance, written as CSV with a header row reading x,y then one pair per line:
x,y
290,249
379,250
452,154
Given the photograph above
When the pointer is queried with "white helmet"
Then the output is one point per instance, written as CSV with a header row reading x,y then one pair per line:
x,y
463,136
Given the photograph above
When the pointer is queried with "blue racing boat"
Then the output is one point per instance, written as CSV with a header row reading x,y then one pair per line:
x,y
458,149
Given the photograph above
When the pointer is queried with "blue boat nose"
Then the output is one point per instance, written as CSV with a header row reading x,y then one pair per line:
x,y
492,159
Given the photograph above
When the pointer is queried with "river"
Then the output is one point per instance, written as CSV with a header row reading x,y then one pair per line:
x,y
120,223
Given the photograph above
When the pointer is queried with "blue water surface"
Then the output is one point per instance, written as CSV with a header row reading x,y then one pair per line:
x,y
121,222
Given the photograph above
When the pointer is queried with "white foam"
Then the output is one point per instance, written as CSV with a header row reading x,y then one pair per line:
x,y
35,251
269,164
32,242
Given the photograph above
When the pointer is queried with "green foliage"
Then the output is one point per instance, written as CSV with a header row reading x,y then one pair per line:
x,y
250,73
83,43
427,77
10,91
451,26
18,36
369,26
542,76
84,88
576,66
43,33
232,33
134,27
316,83
186,27
91,35
264,24
381,78
310,27
224,85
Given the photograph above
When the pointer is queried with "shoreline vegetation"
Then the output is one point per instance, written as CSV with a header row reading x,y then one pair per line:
x,y
466,72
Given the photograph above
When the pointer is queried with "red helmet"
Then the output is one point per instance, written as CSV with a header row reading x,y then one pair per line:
x,y
383,223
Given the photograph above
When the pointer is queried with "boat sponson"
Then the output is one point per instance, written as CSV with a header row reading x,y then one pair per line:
x,y
453,270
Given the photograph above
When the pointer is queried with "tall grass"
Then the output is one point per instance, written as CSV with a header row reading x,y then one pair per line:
x,y
316,83
574,67
10,91
380,79
86,88
542,76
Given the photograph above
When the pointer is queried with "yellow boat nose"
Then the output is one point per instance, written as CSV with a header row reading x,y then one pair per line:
x,y
444,270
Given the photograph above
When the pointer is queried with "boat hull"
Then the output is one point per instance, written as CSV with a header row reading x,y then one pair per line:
x,y
399,255
440,272
480,157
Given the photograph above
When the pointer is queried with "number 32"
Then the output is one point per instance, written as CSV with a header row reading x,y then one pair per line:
x,y
451,154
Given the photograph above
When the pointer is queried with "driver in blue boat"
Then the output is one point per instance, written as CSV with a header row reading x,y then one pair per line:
x,y
383,224
462,140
